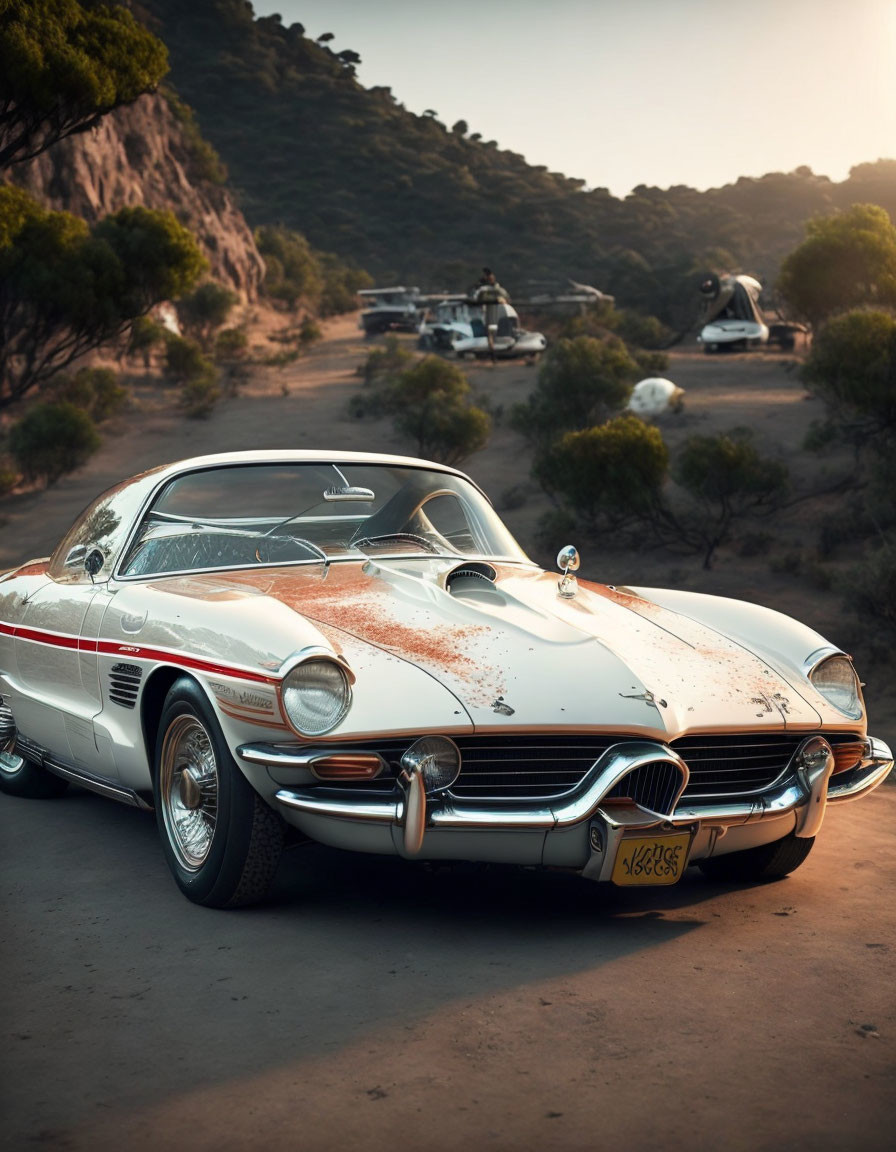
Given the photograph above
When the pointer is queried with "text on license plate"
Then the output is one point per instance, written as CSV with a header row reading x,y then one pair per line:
x,y
651,859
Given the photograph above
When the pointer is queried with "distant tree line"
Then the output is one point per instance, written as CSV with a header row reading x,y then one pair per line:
x,y
411,199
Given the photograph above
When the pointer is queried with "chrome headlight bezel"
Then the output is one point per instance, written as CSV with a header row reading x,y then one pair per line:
x,y
834,678
314,678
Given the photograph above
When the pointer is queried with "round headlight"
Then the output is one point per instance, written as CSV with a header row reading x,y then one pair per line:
x,y
316,696
835,679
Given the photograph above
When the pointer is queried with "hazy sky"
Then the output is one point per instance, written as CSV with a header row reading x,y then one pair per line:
x,y
626,92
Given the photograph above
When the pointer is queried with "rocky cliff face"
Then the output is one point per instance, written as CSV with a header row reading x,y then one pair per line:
x,y
142,154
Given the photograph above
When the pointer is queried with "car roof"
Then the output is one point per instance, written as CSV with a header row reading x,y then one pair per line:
x,y
295,456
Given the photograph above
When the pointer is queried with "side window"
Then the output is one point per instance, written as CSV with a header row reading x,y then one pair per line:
x,y
447,517
102,527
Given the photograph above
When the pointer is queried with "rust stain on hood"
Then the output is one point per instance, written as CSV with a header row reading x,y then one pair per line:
x,y
361,602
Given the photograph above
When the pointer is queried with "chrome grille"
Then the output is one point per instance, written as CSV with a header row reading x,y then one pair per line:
x,y
124,684
735,765
653,786
521,766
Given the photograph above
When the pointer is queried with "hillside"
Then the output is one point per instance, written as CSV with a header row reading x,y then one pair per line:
x,y
409,198
150,153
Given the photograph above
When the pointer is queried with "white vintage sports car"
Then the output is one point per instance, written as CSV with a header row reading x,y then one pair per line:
x,y
353,649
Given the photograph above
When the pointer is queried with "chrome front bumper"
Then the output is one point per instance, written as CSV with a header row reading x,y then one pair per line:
x,y
581,830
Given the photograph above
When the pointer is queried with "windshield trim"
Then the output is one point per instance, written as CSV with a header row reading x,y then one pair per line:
x,y
361,558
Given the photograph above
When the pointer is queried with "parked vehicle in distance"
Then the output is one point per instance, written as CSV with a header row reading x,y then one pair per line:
x,y
455,324
395,309
733,320
352,648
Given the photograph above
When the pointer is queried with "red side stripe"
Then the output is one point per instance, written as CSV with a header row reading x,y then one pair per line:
x,y
135,652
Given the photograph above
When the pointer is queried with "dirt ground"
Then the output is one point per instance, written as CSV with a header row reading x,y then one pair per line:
x,y
376,1004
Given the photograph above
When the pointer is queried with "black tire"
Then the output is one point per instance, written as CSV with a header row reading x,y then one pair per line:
x,y
31,781
767,862
225,856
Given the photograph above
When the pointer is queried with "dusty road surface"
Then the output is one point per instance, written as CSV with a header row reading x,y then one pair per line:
x,y
377,1005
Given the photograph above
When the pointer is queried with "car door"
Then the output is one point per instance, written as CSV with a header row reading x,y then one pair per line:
x,y
56,712
56,639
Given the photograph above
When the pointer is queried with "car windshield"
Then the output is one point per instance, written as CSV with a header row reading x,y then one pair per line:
x,y
238,516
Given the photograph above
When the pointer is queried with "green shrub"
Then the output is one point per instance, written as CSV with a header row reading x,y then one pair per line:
x,y
185,360
727,470
582,383
872,587
727,480
206,309
231,344
430,403
386,364
188,367
852,367
610,473
641,331
200,396
309,332
95,390
51,440
145,335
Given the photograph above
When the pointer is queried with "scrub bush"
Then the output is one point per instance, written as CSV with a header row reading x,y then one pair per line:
x,y
51,440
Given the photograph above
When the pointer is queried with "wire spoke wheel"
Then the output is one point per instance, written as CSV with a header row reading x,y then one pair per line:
x,y
189,786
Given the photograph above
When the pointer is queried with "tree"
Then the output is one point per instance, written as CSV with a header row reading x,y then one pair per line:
x,y
65,64
206,309
582,383
846,260
66,289
613,478
460,128
852,367
607,474
293,273
52,439
95,391
727,479
431,403
194,372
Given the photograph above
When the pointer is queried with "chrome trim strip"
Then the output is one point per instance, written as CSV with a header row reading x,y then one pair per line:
x,y
97,784
413,809
814,659
274,756
815,762
316,652
85,779
379,812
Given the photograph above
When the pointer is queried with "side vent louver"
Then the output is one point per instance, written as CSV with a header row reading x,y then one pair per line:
x,y
7,724
124,684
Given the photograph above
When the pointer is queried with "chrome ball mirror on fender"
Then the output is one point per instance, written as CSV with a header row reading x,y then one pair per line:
x,y
568,562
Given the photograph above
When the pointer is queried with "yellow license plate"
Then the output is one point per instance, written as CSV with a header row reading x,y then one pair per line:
x,y
651,859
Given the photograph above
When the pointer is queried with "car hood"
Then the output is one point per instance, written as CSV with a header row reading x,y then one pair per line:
x,y
515,653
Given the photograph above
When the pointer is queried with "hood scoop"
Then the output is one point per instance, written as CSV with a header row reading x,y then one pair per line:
x,y
474,581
